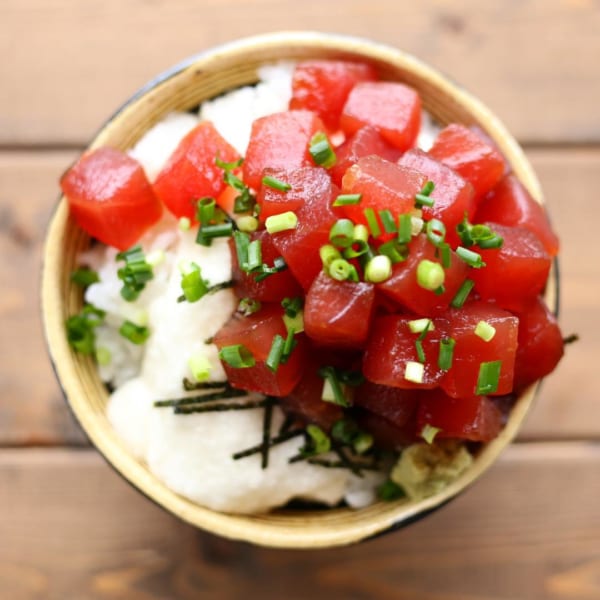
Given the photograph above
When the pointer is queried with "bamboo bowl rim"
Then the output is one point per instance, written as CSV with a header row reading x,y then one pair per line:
x,y
185,85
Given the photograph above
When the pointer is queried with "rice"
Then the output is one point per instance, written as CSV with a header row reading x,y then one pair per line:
x,y
192,454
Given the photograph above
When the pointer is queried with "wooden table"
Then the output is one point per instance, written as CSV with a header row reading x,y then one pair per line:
x,y
71,528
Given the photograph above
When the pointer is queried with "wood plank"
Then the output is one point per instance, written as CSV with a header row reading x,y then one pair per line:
x,y
32,410
518,533
72,63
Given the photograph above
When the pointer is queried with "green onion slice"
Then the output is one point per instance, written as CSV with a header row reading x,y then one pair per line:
x,y
276,184
446,353
248,306
237,356
463,293
205,210
394,250
430,275
321,151
338,395
388,221
341,234
292,306
84,277
372,222
436,232
275,353
489,377
347,199
282,222
320,442
404,228
207,233
136,334
192,284
473,259
379,269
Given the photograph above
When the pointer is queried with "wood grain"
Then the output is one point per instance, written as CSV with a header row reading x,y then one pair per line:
x,y
116,544
31,407
72,63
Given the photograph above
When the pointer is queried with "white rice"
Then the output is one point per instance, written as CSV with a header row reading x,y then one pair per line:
x,y
191,454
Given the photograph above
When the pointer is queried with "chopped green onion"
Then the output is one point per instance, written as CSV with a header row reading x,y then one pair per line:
x,y
485,331
372,222
463,293
389,491
228,166
420,352
445,255
414,371
135,274
362,442
430,275
290,344
480,235
446,353
134,333
421,200
84,277
340,269
421,325
347,199
436,232
282,222
237,356
254,255
207,233
416,224
378,269
244,202
321,151
265,271
341,234
80,329
439,290
337,392
404,228
320,440
192,284
328,254
427,188
242,243
344,431
275,353
489,377
248,306
359,244
247,223
103,356
387,220
156,257
395,251
473,259
200,367
491,243
429,432
296,323
184,224
292,306
205,210
276,184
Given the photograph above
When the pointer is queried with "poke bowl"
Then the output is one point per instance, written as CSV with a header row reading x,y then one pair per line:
x,y
185,87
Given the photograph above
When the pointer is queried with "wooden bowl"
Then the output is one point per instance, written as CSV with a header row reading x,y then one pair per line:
x,y
205,76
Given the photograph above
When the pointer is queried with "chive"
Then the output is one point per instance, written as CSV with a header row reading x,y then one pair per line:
x,y
389,491
372,222
421,325
430,275
84,277
338,396
439,290
379,269
359,245
395,251
344,431
489,377
80,329
205,210
237,356
436,232
228,166
134,333
135,274
242,243
290,344
388,221
243,203
267,418
276,184
292,306
429,432
296,323
207,233
184,224
200,367
340,269
254,255
404,228
446,353
265,271
282,222
341,234
473,259
280,439
481,235
420,351
248,306
485,331
427,188
321,443
275,353
445,255
103,356
422,198
414,371
419,341
492,243
192,284
363,442
463,293
321,151
347,199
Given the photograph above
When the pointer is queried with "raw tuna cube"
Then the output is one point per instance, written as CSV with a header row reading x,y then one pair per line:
x,y
396,405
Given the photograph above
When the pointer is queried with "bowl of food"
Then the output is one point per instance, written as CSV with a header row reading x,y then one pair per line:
x,y
296,290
